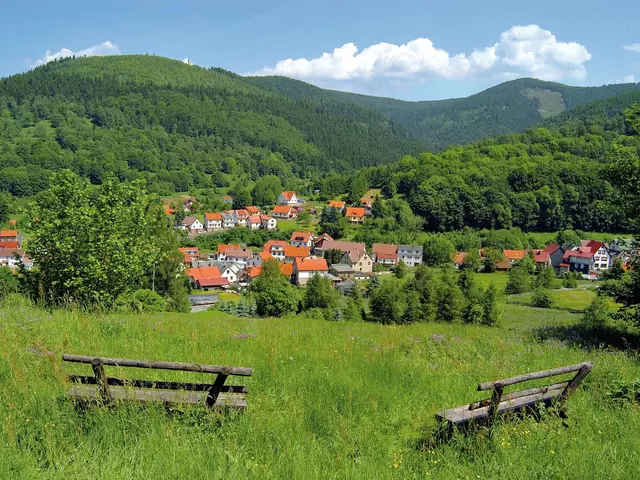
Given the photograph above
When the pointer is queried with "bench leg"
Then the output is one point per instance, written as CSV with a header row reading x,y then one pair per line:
x,y
495,406
215,391
101,377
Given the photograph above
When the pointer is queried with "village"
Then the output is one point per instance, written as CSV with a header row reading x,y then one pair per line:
x,y
345,262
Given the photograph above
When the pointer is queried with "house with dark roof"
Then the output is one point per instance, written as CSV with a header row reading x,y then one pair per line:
x,y
411,255
192,225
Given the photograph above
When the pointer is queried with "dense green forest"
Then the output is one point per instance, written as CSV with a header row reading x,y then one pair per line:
x,y
175,125
565,176
506,108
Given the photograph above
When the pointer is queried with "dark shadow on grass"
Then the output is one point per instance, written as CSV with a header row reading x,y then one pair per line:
x,y
616,338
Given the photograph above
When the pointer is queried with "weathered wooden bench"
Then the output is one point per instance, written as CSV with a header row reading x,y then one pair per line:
x,y
102,389
486,411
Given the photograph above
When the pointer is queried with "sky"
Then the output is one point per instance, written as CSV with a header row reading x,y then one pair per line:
x,y
407,49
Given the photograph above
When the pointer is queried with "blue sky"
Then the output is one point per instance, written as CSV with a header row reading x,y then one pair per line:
x,y
408,49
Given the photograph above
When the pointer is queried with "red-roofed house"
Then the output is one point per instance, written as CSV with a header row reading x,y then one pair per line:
x,y
288,198
458,259
337,204
268,223
304,268
242,217
227,199
254,222
355,215
283,212
13,222
292,253
550,256
302,239
9,245
276,248
591,255
212,221
385,254
10,236
253,210
206,278
259,259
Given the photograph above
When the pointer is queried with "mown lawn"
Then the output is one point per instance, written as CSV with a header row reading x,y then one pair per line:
x,y
575,299
327,400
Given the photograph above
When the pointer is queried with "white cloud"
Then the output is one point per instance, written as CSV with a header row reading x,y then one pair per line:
x,y
105,48
634,47
522,50
626,79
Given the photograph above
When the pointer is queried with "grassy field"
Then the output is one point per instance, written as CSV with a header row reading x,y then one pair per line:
x,y
576,299
327,400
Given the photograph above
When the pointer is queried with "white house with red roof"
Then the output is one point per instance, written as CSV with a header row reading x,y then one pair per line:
x,y
254,222
590,255
355,215
242,217
268,223
276,248
212,222
11,257
385,254
302,239
288,198
283,212
305,268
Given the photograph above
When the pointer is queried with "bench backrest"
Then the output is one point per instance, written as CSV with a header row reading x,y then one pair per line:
x,y
564,388
103,381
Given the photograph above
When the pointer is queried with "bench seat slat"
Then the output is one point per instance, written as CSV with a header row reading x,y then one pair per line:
x,y
463,414
199,387
91,393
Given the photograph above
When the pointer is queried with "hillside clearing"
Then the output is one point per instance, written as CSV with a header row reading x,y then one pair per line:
x,y
339,400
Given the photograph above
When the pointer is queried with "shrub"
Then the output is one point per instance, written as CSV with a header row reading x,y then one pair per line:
x,y
519,281
570,281
142,300
547,278
542,299
596,314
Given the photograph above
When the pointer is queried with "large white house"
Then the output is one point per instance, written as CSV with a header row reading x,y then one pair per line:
x,y
305,268
411,255
192,224
288,198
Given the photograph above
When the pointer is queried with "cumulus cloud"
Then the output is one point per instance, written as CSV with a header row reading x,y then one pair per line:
x,y
105,48
522,50
626,79
634,47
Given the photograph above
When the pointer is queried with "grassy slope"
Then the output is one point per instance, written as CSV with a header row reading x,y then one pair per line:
x,y
338,400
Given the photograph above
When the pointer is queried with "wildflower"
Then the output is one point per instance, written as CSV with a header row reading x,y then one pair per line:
x,y
28,419
553,452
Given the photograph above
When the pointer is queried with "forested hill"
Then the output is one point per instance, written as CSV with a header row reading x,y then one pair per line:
x,y
506,108
177,125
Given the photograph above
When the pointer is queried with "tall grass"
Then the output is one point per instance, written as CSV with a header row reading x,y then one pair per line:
x,y
327,400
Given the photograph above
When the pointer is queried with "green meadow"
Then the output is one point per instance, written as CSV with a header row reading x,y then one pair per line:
x,y
326,400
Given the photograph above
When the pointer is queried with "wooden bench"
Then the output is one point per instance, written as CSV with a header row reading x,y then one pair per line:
x,y
102,389
486,411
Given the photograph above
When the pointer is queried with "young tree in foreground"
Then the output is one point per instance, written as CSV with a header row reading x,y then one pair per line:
x,y
319,293
90,246
273,293
492,310
401,269
596,314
